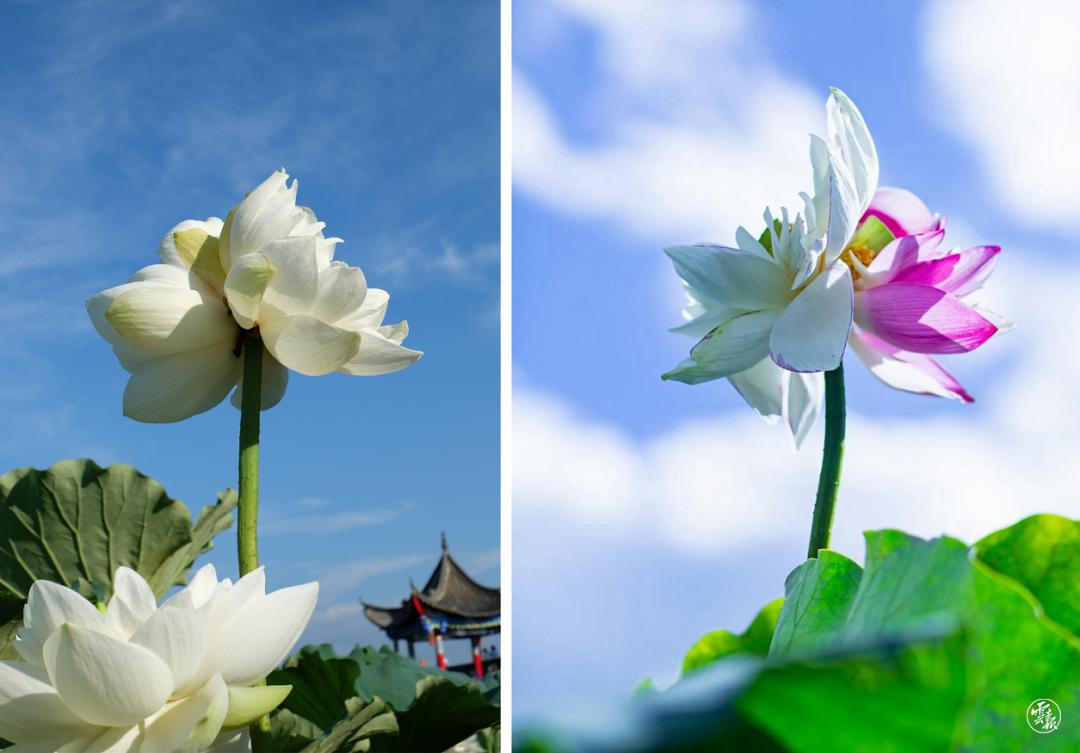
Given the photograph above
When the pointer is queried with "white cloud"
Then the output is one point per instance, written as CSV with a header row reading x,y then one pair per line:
x,y
1008,81
446,262
729,480
348,576
322,523
677,154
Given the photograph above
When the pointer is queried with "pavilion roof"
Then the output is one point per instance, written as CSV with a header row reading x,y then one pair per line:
x,y
449,591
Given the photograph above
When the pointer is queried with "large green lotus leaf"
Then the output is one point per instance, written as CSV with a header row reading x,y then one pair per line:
x,y
819,593
443,714
714,646
321,683
365,726
76,523
388,675
290,733
902,698
1043,554
845,701
1015,653
432,707
490,739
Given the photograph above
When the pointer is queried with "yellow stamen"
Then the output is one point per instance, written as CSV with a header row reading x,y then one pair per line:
x,y
864,254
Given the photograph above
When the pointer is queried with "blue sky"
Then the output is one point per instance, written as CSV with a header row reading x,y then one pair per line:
x,y
123,120
647,513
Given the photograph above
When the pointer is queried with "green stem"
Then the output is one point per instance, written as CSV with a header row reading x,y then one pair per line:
x,y
247,542
832,461
247,537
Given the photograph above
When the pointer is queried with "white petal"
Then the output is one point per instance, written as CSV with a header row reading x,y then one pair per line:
x,y
762,386
112,740
167,250
245,284
190,724
395,333
198,591
179,637
803,404
104,680
169,320
844,209
380,354
734,346
295,287
261,634
228,598
732,277
309,346
180,385
275,378
48,606
341,293
234,741
248,704
132,601
30,709
268,213
851,138
371,312
128,354
812,332
164,274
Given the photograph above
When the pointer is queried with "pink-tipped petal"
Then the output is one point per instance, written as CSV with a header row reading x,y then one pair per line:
x,y
903,253
902,212
921,318
911,372
959,273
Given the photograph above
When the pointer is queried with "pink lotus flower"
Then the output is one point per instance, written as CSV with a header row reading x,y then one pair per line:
x,y
909,296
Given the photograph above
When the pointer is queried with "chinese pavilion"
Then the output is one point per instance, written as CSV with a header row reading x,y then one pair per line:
x,y
451,605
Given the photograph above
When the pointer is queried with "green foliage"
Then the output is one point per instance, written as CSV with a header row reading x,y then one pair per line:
x,y
366,723
76,523
1042,553
444,713
933,646
432,709
490,739
714,646
818,592
322,683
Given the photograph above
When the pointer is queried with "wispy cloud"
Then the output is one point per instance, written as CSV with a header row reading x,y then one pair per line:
x,y
345,577
325,523
483,562
667,152
441,263
1006,82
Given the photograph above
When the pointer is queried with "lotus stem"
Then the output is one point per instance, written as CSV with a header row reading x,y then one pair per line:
x,y
247,541
832,461
247,527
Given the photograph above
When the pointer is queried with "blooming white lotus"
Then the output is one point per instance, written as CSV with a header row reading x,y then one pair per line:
x,y
138,677
776,310
179,326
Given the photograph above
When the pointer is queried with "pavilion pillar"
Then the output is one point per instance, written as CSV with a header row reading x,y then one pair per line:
x,y
440,650
477,657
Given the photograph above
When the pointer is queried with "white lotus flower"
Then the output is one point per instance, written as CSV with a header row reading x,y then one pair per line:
x,y
772,313
138,677
178,327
